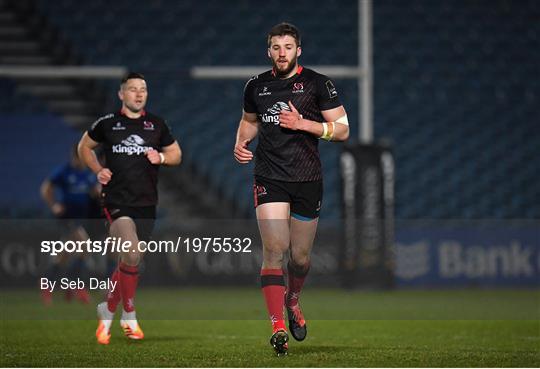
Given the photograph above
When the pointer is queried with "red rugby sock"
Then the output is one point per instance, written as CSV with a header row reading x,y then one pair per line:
x,y
273,288
297,276
114,297
128,277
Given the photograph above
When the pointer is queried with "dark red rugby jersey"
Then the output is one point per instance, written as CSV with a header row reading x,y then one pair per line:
x,y
125,141
283,154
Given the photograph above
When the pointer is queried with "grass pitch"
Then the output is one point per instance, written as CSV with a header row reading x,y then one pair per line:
x,y
227,328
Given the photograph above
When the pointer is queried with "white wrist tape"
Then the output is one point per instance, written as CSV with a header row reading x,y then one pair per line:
x,y
327,135
325,130
333,131
162,157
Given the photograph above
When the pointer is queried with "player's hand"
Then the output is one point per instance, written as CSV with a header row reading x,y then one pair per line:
x,y
291,119
241,152
104,176
153,156
58,209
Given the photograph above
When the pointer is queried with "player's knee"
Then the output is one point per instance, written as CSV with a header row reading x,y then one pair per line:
x,y
300,261
273,257
131,258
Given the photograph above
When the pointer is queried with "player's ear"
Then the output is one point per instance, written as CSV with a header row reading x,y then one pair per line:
x,y
268,52
298,51
120,95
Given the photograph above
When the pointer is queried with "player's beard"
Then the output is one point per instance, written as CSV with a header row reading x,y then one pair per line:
x,y
288,69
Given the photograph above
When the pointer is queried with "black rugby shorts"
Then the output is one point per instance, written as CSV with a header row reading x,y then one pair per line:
x,y
305,198
143,216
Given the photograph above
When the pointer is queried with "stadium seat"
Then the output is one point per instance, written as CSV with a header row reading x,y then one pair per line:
x,y
455,89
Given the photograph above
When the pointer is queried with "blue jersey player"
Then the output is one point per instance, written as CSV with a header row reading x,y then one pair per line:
x,y
70,192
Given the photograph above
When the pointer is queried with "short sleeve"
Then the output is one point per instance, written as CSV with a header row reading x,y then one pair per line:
x,y
327,95
166,138
249,101
97,130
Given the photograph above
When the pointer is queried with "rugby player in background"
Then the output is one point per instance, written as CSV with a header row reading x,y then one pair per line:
x,y
77,190
136,143
289,108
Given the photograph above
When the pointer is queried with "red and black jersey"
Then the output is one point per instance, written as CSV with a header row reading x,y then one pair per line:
x,y
283,154
125,142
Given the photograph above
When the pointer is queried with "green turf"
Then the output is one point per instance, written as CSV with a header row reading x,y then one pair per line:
x,y
395,331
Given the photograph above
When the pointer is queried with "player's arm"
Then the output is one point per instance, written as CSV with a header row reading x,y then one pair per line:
x,y
334,128
339,129
47,194
169,155
172,154
89,158
247,131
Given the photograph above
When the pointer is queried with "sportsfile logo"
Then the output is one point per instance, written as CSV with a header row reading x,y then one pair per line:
x,y
273,113
134,144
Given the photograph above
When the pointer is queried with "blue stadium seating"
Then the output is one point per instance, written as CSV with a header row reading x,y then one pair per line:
x,y
37,143
456,88
14,101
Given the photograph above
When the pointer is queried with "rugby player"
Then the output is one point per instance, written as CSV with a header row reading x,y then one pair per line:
x,y
136,143
70,192
289,108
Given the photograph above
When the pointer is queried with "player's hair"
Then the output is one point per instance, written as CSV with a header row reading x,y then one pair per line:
x,y
284,29
131,75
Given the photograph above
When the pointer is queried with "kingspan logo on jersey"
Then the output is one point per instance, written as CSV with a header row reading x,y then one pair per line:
x,y
134,144
274,111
